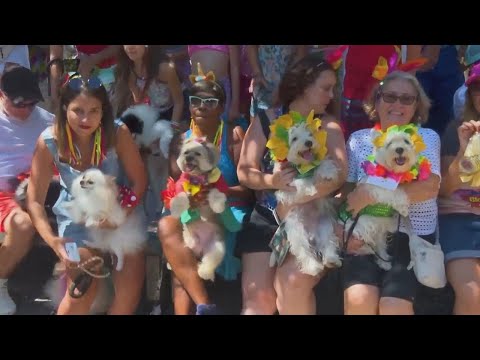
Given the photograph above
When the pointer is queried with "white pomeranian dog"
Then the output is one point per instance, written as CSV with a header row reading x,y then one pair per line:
x,y
95,199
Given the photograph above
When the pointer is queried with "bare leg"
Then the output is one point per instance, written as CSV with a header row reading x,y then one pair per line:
x,y
128,285
464,276
361,299
182,302
17,242
181,259
294,289
259,297
82,305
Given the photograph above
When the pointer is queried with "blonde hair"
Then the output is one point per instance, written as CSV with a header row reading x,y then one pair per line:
x,y
423,102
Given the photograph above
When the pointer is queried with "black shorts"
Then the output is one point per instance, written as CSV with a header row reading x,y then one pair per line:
x,y
257,232
398,282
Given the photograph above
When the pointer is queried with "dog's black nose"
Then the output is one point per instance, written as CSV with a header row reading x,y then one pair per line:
x,y
399,150
308,143
189,158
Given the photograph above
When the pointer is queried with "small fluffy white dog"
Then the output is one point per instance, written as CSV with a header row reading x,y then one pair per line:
x,y
397,155
95,199
205,236
154,134
309,226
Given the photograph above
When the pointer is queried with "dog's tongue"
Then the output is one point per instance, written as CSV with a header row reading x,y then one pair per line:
x,y
189,167
307,155
400,161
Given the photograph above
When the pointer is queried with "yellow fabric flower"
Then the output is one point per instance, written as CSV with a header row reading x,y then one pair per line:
x,y
418,143
278,141
381,69
190,188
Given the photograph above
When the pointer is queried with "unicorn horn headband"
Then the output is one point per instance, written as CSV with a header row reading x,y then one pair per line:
x,y
201,76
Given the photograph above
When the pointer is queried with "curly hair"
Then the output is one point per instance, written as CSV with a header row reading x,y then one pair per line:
x,y
300,76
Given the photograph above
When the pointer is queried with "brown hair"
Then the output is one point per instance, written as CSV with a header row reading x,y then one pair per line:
x,y
300,76
67,95
153,57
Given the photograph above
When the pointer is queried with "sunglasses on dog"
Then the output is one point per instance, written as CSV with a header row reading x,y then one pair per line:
x,y
210,103
75,82
391,98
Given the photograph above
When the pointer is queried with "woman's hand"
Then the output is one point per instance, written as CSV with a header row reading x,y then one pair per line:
x,y
359,199
105,224
283,176
59,249
86,65
465,132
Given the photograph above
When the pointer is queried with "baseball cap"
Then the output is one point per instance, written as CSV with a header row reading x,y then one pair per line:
x,y
20,84
472,54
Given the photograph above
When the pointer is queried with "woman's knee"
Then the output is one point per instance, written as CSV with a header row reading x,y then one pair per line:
x,y
468,294
395,306
169,230
361,296
261,300
289,278
21,223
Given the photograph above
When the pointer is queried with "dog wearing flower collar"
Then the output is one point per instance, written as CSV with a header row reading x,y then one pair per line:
x,y
201,229
395,160
307,228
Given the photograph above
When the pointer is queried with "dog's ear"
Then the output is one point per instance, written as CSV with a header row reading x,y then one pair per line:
x,y
134,124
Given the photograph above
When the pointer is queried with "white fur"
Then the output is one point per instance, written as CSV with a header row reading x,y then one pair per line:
x,y
154,130
374,230
97,201
309,226
205,236
156,135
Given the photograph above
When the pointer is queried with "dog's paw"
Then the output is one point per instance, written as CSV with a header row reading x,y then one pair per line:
x,y
332,261
179,204
385,265
92,223
312,268
402,209
206,272
217,201
327,170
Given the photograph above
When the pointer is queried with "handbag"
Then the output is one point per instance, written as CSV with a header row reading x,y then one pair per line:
x,y
427,260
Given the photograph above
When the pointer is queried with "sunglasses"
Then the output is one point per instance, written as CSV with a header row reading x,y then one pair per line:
x,y
75,82
24,105
210,103
390,98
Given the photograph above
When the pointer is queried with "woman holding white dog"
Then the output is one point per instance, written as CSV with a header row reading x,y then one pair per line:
x,y
86,136
308,84
207,100
368,289
459,204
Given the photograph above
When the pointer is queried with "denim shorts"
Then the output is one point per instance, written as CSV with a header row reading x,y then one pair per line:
x,y
460,235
